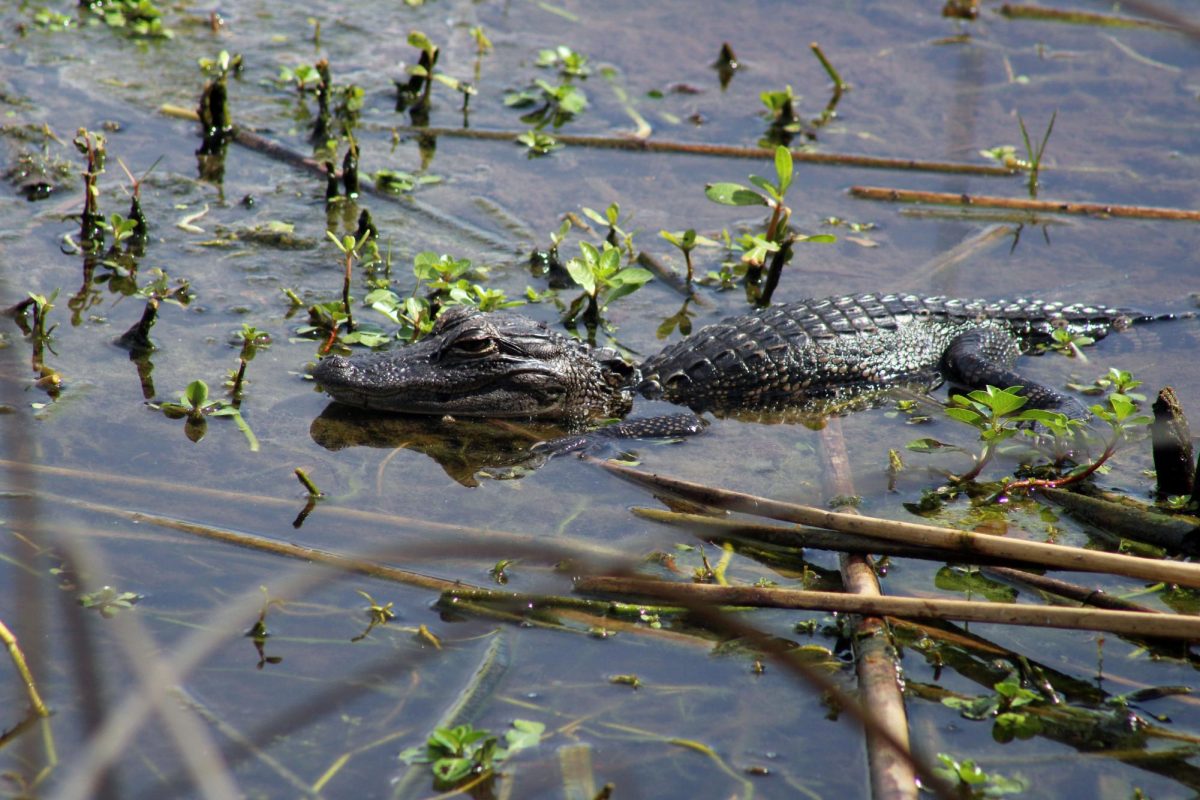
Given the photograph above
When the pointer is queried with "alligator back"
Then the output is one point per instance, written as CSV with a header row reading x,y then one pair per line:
x,y
839,348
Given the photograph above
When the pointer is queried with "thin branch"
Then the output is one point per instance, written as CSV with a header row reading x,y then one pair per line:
x,y
723,151
1024,204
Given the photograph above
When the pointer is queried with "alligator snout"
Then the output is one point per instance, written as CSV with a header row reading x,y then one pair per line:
x,y
332,369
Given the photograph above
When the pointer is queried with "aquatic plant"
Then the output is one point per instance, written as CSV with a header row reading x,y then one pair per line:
x,y
603,280
777,240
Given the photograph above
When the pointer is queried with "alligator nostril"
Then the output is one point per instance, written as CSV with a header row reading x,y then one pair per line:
x,y
330,366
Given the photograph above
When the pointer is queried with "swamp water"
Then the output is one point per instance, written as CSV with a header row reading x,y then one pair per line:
x,y
104,490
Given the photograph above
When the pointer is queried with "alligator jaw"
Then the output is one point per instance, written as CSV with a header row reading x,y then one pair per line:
x,y
388,382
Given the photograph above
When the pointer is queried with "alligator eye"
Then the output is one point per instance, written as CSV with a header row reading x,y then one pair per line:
x,y
473,347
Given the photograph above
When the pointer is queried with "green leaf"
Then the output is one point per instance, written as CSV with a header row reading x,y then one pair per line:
x,y
1122,406
819,238
420,41
196,394
582,274
1004,401
767,187
733,194
965,415
610,260
783,168
334,238
632,275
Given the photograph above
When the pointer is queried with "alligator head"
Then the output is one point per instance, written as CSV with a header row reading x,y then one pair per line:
x,y
479,364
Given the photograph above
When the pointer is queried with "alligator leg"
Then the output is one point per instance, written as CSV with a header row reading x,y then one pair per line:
x,y
985,356
669,426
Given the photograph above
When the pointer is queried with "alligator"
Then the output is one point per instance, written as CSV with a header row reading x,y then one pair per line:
x,y
825,353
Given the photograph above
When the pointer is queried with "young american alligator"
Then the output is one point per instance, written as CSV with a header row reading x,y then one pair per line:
x,y
801,354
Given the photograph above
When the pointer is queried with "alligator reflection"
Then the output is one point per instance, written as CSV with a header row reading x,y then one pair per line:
x,y
465,448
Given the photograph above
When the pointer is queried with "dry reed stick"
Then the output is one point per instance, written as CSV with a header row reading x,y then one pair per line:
x,y
964,543
1127,623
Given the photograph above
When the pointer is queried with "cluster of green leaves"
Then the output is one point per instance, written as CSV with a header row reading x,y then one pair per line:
x,y
999,415
565,60
1008,708
195,407
306,77
553,104
458,754
139,18
603,279
971,782
1115,380
441,281
615,234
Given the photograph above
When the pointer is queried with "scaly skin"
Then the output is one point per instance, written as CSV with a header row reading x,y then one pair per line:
x,y
786,356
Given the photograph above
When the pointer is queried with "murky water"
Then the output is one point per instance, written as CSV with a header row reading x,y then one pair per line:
x,y
313,712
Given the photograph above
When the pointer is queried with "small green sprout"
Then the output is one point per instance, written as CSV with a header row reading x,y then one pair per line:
x,y
687,241
120,228
538,143
1034,155
1116,380
352,251
782,115
616,235
483,44
377,614
565,60
499,570
250,339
